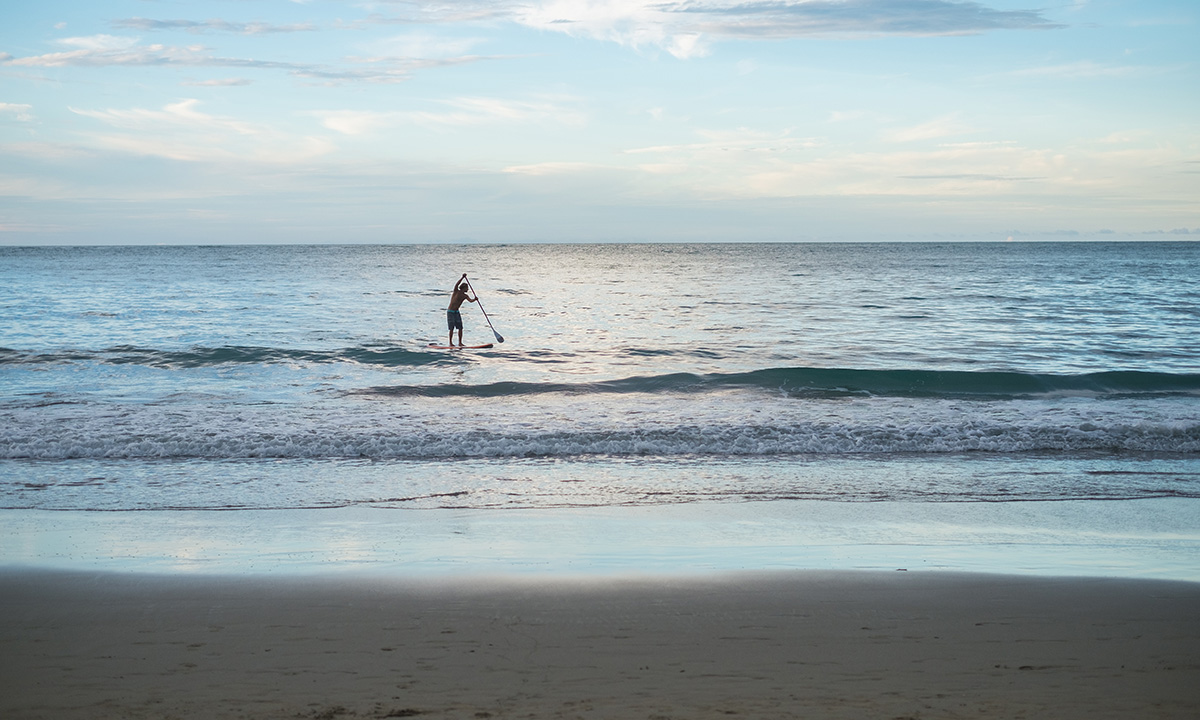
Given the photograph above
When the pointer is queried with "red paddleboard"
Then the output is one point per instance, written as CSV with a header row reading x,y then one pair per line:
x,y
459,347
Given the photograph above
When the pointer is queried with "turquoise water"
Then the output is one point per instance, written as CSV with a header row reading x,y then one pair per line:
x,y
261,378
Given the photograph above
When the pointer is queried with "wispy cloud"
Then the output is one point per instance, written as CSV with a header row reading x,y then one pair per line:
x,y
460,112
840,116
475,110
749,165
890,17
380,69
941,127
181,131
106,50
631,23
554,168
973,177
424,45
17,111
1080,69
356,122
215,25
219,82
730,163
734,141
181,114
99,43
109,50
406,12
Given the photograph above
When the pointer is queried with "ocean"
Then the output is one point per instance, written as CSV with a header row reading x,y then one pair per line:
x,y
669,394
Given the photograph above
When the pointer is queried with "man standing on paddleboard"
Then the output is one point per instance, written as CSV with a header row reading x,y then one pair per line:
x,y
453,316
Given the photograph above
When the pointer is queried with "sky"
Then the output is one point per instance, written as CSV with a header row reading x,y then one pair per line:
x,y
388,121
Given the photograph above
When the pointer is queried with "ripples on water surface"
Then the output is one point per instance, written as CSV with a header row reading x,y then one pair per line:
x,y
230,377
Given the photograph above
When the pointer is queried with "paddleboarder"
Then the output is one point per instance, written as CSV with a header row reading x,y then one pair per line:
x,y
453,316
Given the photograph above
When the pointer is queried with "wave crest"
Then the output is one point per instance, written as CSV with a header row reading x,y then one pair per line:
x,y
823,382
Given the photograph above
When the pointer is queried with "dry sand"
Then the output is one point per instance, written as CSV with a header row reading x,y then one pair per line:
x,y
790,645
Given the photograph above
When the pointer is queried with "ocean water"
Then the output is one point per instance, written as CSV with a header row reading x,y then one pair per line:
x,y
262,378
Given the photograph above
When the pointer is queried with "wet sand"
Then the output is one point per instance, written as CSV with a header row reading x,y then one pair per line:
x,y
808,644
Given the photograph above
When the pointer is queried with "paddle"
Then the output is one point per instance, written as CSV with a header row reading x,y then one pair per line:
x,y
499,337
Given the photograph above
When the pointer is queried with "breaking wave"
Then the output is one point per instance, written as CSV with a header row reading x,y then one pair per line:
x,y
822,382
222,433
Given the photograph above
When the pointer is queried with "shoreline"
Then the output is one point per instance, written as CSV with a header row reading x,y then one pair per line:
x,y
786,644
1150,538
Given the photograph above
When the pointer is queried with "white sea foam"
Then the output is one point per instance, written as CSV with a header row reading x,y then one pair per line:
x,y
658,425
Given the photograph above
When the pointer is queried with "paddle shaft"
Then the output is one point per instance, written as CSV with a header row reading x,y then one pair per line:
x,y
485,315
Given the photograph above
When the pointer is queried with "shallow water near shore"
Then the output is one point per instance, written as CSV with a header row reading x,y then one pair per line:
x,y
1142,539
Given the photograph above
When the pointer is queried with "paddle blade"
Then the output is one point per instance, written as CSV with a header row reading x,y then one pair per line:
x,y
499,337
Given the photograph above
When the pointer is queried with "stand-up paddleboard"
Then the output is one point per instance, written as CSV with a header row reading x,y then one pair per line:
x,y
459,347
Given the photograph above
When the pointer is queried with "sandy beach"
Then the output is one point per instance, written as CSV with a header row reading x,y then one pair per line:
x,y
760,645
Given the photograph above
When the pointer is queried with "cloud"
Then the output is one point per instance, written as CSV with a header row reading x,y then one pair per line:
x,y
105,50
461,112
251,28
752,165
180,131
356,122
424,45
840,116
44,150
737,141
474,110
722,163
18,111
1126,136
99,42
686,28
884,17
937,128
553,168
221,82
383,69
631,23
973,177
182,113
462,12
109,50
1077,70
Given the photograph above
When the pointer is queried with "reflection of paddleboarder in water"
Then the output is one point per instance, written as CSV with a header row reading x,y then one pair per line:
x,y
453,316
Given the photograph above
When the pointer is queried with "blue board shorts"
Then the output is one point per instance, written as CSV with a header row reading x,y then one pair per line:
x,y
454,319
